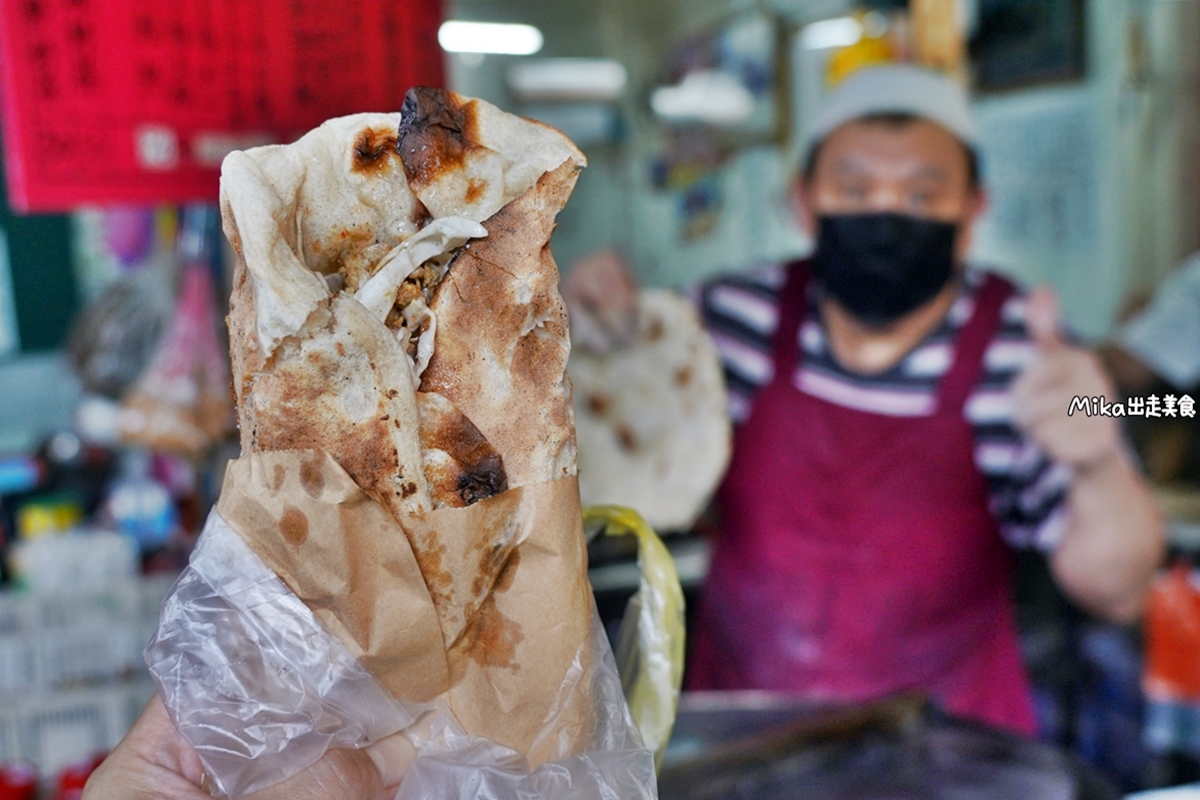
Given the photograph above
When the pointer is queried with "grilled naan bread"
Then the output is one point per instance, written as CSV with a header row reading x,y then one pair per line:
x,y
395,303
652,420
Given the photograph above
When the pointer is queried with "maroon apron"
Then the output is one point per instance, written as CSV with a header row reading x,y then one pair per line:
x,y
858,556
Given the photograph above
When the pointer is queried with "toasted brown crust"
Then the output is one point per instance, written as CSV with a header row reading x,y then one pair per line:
x,y
375,151
281,408
501,349
437,131
460,465
465,157
335,389
293,404
244,352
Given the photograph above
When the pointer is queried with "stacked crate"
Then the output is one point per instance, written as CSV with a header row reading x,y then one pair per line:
x,y
72,679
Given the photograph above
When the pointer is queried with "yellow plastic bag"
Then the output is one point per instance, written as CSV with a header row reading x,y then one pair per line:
x,y
650,647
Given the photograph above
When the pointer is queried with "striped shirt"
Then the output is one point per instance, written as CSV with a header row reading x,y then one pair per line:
x,y
1027,490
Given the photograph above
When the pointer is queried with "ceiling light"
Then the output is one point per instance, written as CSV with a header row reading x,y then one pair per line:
x,y
544,79
458,36
838,32
709,96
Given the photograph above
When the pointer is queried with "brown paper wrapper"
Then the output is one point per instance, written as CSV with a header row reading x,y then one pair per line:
x,y
487,605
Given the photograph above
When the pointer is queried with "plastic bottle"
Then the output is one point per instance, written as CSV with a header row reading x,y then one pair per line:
x,y
140,506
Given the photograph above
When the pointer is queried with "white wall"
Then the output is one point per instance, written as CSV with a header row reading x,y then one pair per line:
x,y
1121,150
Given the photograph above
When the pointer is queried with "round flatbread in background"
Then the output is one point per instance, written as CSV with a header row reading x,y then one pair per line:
x,y
651,419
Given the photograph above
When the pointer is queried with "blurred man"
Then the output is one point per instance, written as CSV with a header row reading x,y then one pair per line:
x,y
886,455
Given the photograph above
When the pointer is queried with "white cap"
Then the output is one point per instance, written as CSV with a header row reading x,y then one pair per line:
x,y
896,89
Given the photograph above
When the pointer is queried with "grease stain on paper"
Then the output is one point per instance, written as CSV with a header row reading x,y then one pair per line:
x,y
277,476
293,526
312,479
429,553
494,559
491,639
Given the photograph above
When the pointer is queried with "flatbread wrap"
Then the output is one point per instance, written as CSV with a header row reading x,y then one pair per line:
x,y
399,348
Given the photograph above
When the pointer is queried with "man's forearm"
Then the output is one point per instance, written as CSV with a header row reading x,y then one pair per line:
x,y
1114,540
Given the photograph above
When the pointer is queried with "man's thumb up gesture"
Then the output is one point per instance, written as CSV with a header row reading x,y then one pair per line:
x,y
1043,393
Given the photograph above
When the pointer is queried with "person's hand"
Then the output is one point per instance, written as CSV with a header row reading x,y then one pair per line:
x,y
1042,395
155,762
601,298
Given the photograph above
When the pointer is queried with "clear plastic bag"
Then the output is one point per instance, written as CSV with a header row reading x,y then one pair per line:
x,y
251,678
455,765
261,690
181,402
115,338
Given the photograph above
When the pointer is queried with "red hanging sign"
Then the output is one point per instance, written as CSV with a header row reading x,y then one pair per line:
x,y
137,101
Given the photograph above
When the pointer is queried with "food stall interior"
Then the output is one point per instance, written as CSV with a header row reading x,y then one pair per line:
x,y
1089,114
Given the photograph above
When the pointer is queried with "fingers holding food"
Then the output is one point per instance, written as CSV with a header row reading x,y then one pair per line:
x,y
602,299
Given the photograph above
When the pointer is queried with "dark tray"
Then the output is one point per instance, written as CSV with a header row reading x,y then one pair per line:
x,y
756,745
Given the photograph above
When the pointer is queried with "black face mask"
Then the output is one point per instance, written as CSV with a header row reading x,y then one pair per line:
x,y
882,266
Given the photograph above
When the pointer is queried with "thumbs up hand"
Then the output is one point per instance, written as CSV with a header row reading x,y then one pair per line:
x,y
1042,394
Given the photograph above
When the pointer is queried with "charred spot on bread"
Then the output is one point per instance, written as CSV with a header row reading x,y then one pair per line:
x,y
483,479
436,133
475,189
461,466
374,150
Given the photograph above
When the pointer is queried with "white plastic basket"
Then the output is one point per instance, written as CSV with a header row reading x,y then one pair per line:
x,y
16,613
10,749
80,656
152,590
129,642
66,727
72,676
18,665
115,604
